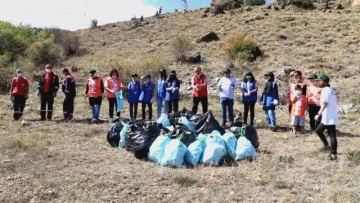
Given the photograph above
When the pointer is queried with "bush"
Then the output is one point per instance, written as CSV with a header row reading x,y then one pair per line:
x,y
93,23
227,4
181,47
254,2
242,48
68,42
44,50
307,4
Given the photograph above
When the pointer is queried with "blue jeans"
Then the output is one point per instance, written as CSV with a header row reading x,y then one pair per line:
x,y
228,104
162,107
270,116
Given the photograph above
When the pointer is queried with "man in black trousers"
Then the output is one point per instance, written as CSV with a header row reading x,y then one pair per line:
x,y
69,89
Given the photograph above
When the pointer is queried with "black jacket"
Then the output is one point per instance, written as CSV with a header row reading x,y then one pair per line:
x,y
54,84
69,86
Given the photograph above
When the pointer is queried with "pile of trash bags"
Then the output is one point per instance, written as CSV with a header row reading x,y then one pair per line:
x,y
184,139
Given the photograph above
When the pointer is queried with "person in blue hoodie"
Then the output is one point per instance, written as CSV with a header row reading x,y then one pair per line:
x,y
249,88
161,93
146,96
269,99
134,93
173,92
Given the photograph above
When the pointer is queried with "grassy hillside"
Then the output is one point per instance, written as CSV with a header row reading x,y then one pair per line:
x,y
54,161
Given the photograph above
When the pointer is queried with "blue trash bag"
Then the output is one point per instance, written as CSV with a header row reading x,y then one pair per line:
x,y
164,120
244,149
174,154
156,151
194,153
119,101
230,143
213,154
187,123
122,142
215,137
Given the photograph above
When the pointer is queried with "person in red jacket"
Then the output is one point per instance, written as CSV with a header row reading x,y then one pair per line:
x,y
19,93
94,91
47,89
200,92
113,84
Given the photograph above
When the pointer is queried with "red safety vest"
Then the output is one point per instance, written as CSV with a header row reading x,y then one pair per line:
x,y
19,86
94,86
111,85
201,92
313,95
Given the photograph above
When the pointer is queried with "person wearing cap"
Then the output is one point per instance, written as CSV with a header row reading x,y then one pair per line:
x,y
172,93
199,84
226,87
68,87
19,93
249,88
147,93
329,116
134,88
48,86
112,85
313,94
299,106
94,91
161,93
269,99
297,80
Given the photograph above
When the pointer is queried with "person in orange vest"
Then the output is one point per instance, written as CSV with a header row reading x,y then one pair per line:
x,y
113,84
94,91
299,105
68,87
19,93
297,80
200,92
313,99
48,86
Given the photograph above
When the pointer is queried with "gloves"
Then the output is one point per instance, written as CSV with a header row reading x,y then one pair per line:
x,y
276,102
246,94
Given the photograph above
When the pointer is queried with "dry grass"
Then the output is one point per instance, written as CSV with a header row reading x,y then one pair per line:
x,y
72,162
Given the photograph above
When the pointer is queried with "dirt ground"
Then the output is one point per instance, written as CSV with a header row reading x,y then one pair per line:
x,y
54,161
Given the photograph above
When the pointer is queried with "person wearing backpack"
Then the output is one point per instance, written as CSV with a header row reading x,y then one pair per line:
x,y
249,88
270,99
94,91
113,84
146,96
19,93
329,116
68,87
134,93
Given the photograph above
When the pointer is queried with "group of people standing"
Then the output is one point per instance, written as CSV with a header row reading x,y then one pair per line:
x,y
318,98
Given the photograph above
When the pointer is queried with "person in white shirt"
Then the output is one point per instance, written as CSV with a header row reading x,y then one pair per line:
x,y
226,88
329,116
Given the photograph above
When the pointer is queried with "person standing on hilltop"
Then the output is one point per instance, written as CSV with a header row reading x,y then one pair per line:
x,y
161,93
313,94
269,99
113,84
68,87
19,93
329,116
146,96
249,88
226,87
94,91
134,88
199,84
48,86
297,80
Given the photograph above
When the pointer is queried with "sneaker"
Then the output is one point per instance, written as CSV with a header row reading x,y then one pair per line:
x,y
332,157
93,120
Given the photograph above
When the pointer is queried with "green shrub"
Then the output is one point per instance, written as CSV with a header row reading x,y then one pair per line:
x,y
181,47
44,50
307,4
254,2
68,42
242,48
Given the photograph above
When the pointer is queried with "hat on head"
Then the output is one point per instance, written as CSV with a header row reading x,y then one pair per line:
x,y
162,71
271,74
248,73
92,71
134,75
18,71
312,76
147,76
173,72
324,78
48,66
226,70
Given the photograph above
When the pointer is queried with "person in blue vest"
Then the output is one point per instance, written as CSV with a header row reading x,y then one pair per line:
x,y
146,96
172,92
161,93
269,99
249,88
134,93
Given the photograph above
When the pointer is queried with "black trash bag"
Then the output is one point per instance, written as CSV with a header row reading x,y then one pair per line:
x,y
206,123
184,112
249,132
186,136
140,137
113,135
